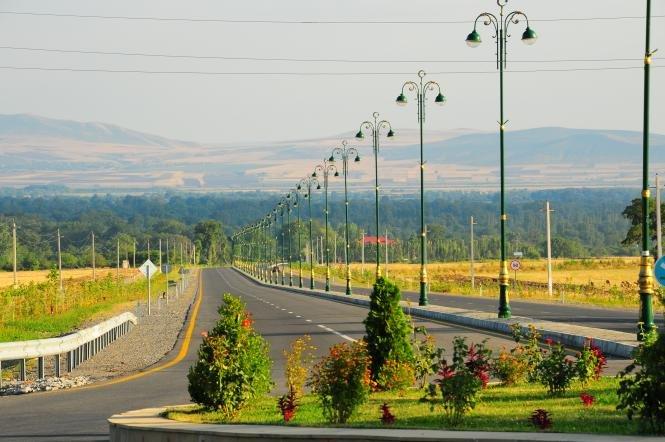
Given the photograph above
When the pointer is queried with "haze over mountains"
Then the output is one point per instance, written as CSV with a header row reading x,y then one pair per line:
x,y
102,157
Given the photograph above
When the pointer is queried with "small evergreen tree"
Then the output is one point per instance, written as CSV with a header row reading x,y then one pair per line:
x,y
388,328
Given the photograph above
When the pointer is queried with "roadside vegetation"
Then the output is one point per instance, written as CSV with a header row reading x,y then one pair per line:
x,y
40,310
397,377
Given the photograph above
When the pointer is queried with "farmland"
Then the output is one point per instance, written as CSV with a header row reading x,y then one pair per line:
x,y
28,276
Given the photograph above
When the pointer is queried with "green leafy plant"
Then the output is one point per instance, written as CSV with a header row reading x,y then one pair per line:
x,y
425,356
643,394
298,357
460,380
396,375
529,349
556,370
233,365
387,327
287,405
341,380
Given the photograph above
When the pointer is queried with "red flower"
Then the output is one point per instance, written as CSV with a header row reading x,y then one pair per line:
x,y
247,321
387,418
587,399
549,341
541,419
204,334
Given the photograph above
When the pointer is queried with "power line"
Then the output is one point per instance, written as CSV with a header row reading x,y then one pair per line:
x,y
312,74
300,22
299,60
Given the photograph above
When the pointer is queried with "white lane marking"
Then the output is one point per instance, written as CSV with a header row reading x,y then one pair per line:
x,y
290,313
298,316
283,309
341,335
308,320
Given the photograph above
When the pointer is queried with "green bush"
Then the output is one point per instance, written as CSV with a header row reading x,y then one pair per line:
x,y
425,355
388,328
556,370
644,393
342,381
233,365
510,366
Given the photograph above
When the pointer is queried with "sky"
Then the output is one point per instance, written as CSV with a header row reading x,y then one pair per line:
x,y
246,107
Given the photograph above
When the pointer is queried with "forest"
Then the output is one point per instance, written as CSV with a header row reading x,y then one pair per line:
x,y
585,223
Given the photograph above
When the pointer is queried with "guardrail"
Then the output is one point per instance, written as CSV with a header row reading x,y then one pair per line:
x,y
78,346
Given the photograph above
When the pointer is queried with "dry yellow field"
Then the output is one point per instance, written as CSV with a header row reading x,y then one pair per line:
x,y
601,271
24,277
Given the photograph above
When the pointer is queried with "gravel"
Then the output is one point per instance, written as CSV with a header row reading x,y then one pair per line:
x,y
47,384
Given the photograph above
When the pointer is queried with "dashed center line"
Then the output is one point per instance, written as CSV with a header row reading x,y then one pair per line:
x,y
341,335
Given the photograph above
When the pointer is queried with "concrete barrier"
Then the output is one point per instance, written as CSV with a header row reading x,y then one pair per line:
x,y
147,425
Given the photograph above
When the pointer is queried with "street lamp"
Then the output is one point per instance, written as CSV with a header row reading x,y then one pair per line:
x,y
646,324
421,88
501,26
345,153
375,127
307,183
325,169
296,204
276,253
281,206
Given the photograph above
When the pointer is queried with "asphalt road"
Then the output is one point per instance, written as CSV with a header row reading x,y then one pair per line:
x,y
624,320
80,414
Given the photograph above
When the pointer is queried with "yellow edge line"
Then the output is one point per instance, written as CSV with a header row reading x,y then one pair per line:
x,y
184,349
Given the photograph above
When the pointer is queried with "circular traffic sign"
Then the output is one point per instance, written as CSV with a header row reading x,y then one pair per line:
x,y
515,265
659,270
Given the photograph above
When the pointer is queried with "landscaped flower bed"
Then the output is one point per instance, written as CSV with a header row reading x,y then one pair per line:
x,y
499,409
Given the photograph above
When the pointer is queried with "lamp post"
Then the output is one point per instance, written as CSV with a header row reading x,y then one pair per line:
x,y
646,324
281,206
297,206
274,223
344,153
289,207
375,127
421,89
501,26
307,183
325,169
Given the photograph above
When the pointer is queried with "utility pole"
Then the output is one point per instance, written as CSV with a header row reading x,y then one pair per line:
x,y
549,247
14,246
362,255
160,269
148,249
386,253
181,261
473,274
94,275
134,258
117,268
335,248
59,261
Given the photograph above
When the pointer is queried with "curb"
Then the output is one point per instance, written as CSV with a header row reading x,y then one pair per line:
x,y
611,342
147,425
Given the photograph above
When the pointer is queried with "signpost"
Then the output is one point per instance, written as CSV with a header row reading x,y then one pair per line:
x,y
659,270
515,266
148,270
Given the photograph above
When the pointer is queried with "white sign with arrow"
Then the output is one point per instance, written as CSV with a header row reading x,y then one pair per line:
x,y
148,269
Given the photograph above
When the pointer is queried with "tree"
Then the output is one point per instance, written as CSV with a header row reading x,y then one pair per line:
x,y
211,243
633,212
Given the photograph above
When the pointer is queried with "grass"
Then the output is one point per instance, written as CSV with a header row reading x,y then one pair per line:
x,y
500,409
604,282
28,276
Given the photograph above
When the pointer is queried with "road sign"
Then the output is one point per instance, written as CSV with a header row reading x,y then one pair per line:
x,y
659,270
518,254
148,269
515,265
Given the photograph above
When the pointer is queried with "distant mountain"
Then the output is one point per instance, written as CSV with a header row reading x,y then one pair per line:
x,y
103,157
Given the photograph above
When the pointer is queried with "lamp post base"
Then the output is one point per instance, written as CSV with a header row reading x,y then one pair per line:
x,y
504,304
311,280
646,324
423,301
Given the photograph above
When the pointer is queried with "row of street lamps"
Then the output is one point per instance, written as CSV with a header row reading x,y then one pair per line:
x,y
421,89
501,25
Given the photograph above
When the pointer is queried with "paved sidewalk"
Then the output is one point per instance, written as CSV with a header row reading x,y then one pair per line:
x,y
612,342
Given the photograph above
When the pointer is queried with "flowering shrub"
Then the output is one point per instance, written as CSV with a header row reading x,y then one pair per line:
x,y
541,419
590,363
531,353
342,381
395,375
287,405
556,370
298,358
387,418
510,367
460,381
233,365
587,399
